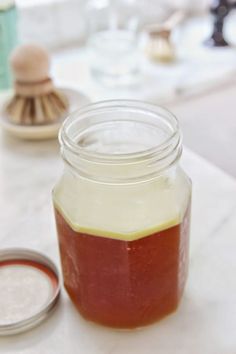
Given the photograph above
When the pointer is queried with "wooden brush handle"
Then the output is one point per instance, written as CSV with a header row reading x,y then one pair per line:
x,y
167,26
174,20
30,63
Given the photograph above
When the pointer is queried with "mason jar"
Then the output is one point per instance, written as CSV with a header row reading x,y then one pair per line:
x,y
122,210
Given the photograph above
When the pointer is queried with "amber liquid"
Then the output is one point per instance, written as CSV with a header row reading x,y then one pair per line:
x,y
124,284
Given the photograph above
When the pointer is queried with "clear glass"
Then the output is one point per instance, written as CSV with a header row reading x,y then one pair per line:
x,y
122,211
113,41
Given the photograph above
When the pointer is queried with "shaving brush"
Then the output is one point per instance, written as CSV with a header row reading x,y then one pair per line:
x,y
159,47
36,100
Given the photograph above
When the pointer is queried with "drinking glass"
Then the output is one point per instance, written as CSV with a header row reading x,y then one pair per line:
x,y
113,40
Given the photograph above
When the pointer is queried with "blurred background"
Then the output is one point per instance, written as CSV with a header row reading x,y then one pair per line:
x,y
177,53
62,22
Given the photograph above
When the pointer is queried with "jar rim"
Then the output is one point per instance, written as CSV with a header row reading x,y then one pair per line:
x,y
115,104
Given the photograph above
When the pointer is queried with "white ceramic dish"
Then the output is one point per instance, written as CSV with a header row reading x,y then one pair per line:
x,y
47,131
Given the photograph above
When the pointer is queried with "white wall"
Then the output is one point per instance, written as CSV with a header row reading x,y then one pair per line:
x,y
57,23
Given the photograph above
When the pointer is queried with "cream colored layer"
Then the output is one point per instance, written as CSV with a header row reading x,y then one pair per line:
x,y
115,235
124,212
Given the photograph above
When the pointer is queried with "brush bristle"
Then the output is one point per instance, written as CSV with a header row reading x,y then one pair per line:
x,y
159,49
37,110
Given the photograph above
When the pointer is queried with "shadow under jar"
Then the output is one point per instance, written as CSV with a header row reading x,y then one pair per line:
x,y
122,212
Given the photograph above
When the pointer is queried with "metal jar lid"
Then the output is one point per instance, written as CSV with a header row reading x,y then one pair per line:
x,y
29,289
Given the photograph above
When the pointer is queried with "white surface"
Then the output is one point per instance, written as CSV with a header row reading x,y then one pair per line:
x,y
197,69
206,319
45,131
209,125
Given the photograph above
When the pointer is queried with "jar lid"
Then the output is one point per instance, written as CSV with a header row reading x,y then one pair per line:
x,y
29,289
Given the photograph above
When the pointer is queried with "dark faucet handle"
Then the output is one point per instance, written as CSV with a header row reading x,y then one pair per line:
x,y
220,10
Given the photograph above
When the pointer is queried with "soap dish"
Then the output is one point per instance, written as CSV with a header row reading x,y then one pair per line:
x,y
45,131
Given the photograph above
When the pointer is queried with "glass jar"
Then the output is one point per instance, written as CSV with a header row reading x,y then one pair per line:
x,y
122,212
113,40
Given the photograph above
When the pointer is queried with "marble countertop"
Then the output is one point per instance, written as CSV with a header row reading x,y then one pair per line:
x,y
206,319
197,69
